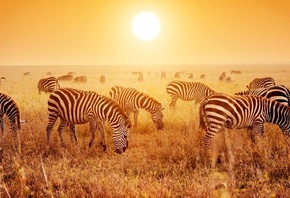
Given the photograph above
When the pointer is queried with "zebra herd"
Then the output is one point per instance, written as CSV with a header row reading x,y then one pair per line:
x,y
252,108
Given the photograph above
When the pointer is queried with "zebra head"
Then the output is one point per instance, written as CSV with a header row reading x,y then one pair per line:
x,y
157,117
120,136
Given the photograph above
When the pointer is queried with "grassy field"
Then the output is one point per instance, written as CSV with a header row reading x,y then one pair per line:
x,y
167,163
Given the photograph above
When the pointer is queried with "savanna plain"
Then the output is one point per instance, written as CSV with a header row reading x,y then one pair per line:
x,y
167,163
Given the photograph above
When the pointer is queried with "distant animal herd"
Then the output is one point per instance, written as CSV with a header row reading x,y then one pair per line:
x,y
264,101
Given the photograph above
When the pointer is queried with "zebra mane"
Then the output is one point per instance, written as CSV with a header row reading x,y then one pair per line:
x,y
243,93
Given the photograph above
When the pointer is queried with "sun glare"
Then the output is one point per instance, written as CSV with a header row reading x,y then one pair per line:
x,y
146,26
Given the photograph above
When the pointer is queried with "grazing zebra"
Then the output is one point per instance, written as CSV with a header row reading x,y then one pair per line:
x,y
187,91
279,93
49,84
261,83
223,76
79,107
132,100
9,107
221,110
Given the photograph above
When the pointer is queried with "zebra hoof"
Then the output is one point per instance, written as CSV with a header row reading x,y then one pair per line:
x,y
118,151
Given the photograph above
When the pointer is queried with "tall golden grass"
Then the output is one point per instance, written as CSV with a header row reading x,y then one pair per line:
x,y
167,163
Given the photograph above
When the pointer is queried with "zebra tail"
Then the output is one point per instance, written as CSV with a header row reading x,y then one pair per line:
x,y
18,122
201,120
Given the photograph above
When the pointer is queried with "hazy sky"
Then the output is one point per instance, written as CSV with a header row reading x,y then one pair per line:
x,y
79,32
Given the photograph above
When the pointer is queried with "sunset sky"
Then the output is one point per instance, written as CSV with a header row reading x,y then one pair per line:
x,y
98,32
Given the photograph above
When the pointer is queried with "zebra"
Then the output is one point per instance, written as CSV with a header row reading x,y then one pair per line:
x,y
49,84
223,76
9,107
261,83
75,106
279,93
187,91
132,100
221,110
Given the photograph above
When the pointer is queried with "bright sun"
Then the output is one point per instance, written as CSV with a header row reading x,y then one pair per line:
x,y
146,26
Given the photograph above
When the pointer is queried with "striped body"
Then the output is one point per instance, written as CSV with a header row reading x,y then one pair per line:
x,y
279,93
187,91
9,107
220,110
261,83
79,107
49,84
132,100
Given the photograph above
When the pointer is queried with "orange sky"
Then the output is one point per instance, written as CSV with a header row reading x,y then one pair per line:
x,y
80,32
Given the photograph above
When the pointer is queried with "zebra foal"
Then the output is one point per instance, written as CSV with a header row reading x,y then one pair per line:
x,y
187,91
223,111
9,107
132,100
79,107
49,84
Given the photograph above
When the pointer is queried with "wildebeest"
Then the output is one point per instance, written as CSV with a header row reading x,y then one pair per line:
x,y
2,78
236,72
177,75
229,80
163,75
27,74
80,79
202,76
50,73
71,73
65,78
140,77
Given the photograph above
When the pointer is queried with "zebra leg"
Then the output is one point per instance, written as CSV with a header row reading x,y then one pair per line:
x,y
100,126
73,132
135,118
60,129
93,131
257,129
51,122
2,124
173,102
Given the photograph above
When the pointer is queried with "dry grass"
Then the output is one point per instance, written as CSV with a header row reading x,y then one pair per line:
x,y
168,163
